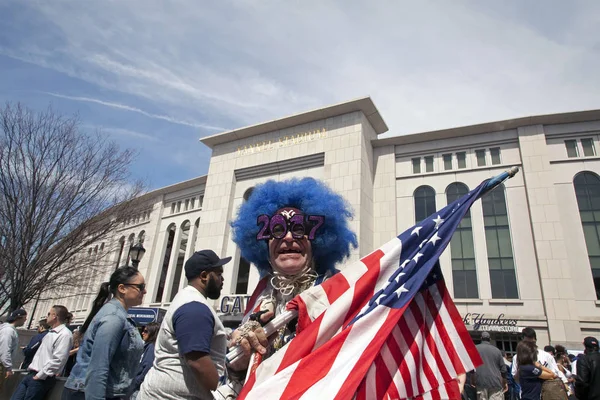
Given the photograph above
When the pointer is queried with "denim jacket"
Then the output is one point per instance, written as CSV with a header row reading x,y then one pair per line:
x,y
108,356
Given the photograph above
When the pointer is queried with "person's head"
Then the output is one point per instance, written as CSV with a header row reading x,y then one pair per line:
x,y
125,284
292,226
509,357
17,317
42,326
526,352
204,271
591,344
150,331
529,335
485,336
58,315
561,358
550,349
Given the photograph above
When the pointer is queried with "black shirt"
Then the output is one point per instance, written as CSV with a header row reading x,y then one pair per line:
x,y
530,381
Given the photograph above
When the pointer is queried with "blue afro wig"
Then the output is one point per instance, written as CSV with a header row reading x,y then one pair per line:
x,y
333,240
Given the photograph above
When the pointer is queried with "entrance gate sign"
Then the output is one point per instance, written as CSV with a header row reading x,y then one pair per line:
x,y
478,322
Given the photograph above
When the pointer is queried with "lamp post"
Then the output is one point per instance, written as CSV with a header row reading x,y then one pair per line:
x,y
136,252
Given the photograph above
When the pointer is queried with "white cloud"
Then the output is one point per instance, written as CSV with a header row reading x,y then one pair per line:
x,y
427,65
122,131
136,110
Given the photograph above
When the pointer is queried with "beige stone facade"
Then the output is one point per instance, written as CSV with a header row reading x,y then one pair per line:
x,y
340,145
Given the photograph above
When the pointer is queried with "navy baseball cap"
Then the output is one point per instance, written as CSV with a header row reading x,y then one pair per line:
x,y
201,261
16,314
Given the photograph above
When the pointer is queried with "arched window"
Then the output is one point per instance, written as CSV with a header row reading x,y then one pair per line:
x,y
120,251
499,245
587,190
464,273
183,243
243,272
141,237
424,202
195,235
247,193
165,266
130,242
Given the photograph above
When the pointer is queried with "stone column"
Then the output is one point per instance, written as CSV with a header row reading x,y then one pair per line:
x,y
553,263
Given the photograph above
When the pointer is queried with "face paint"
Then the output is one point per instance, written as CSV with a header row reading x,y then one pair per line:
x,y
288,220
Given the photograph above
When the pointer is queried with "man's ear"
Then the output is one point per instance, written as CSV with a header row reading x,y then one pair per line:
x,y
204,275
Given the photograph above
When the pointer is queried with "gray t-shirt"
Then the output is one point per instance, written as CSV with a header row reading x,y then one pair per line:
x,y
489,375
9,343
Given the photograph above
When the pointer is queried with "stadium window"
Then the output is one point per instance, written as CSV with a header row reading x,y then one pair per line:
x,y
165,265
499,245
571,146
429,164
424,198
462,249
587,191
447,162
461,159
495,154
480,155
416,165
588,147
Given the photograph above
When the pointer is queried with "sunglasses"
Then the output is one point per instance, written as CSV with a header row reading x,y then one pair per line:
x,y
141,286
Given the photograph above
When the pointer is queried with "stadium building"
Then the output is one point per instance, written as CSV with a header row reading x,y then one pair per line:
x,y
528,254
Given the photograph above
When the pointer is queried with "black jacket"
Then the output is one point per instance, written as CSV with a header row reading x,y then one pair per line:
x,y
587,383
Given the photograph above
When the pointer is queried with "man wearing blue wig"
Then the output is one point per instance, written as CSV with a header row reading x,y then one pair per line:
x,y
294,232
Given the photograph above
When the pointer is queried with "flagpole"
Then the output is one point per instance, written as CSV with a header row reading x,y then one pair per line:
x,y
498,179
287,316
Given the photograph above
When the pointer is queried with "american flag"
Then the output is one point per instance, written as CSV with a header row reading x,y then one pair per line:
x,y
385,327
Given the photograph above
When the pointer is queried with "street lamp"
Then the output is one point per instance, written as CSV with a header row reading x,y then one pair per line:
x,y
136,252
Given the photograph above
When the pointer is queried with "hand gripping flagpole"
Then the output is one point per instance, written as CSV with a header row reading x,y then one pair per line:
x,y
284,318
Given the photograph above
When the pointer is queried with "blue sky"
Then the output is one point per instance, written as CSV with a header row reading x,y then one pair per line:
x,y
158,76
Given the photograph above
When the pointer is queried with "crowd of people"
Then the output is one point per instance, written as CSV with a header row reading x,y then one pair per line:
x,y
534,374
302,233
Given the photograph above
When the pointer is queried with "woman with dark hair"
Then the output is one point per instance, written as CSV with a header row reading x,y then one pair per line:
x,y
149,334
530,372
111,347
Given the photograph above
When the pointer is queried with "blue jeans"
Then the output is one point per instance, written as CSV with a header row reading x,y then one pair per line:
x,y
31,389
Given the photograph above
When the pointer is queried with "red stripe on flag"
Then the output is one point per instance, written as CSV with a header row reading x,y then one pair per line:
x,y
383,377
365,285
335,286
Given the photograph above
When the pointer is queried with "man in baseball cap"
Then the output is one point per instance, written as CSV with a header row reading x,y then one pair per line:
x,y
587,385
9,342
192,342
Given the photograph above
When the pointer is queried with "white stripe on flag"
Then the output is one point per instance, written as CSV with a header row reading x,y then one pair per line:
x,y
356,342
